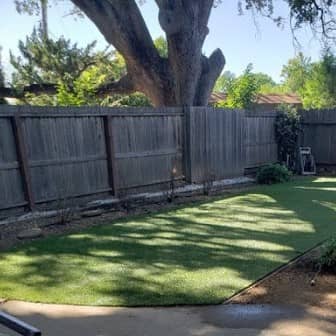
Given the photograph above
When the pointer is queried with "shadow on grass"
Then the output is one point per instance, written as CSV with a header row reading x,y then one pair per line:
x,y
199,254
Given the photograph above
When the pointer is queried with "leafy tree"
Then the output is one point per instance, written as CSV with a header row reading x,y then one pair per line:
x,y
319,90
35,7
80,74
46,64
134,99
2,78
161,46
287,131
243,91
224,82
186,77
314,82
295,73
265,83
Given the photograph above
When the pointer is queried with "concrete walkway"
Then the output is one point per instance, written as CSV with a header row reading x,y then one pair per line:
x,y
230,320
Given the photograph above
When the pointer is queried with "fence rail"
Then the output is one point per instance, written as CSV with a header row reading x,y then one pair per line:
x,y
319,132
53,153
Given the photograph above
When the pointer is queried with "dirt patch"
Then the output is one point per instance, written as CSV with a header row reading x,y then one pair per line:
x,y
55,226
293,285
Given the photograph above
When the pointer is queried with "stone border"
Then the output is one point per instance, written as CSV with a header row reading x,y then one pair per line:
x,y
39,223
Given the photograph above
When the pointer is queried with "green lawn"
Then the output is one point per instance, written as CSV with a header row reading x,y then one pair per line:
x,y
196,254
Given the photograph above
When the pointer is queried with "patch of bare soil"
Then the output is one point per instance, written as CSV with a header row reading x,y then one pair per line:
x,y
56,226
293,285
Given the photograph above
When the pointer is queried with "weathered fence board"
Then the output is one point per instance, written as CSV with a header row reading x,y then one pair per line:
x,y
50,154
147,148
319,133
216,143
11,187
261,146
66,155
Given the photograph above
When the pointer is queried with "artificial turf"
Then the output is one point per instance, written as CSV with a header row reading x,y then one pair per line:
x,y
196,254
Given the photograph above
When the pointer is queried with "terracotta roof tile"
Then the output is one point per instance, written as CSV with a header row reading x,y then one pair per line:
x,y
272,98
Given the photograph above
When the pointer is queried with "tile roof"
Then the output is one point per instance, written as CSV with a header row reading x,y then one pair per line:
x,y
271,98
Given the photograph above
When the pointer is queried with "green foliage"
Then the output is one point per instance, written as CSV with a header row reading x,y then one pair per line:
x,y
48,61
319,90
78,72
263,79
317,14
2,78
224,82
327,260
287,130
162,47
34,7
315,82
83,88
273,173
30,7
134,99
266,84
242,92
295,73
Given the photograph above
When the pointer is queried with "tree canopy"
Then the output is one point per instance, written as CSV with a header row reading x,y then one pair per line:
x,y
182,76
2,78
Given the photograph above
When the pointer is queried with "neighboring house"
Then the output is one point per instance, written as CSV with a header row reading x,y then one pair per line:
x,y
264,101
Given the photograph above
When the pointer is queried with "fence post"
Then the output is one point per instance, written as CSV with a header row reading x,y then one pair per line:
x,y
23,160
187,163
109,141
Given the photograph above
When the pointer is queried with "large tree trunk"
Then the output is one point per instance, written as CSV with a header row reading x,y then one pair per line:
x,y
186,77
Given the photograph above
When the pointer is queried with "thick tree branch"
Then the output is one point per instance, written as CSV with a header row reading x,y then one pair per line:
x,y
185,23
211,70
123,86
37,89
123,26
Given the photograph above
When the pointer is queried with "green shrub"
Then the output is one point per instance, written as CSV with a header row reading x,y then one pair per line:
x,y
328,257
287,130
273,173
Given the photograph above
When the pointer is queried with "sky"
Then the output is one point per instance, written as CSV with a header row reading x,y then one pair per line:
x,y
243,39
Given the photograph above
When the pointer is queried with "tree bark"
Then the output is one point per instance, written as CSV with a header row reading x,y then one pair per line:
x,y
186,77
44,19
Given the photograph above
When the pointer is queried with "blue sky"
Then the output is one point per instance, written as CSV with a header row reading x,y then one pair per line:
x,y
241,39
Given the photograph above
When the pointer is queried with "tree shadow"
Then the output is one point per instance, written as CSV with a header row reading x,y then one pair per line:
x,y
197,254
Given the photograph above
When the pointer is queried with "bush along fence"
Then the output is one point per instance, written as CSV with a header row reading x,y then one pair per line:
x,y
50,154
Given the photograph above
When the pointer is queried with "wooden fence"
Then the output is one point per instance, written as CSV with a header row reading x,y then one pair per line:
x,y
52,154
319,133
216,147
261,147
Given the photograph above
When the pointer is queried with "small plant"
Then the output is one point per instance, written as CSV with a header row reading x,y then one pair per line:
x,y
125,202
171,192
208,182
65,206
327,260
287,131
273,173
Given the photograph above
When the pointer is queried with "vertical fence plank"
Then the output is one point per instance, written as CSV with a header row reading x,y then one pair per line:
x,y
124,149
110,153
23,160
186,145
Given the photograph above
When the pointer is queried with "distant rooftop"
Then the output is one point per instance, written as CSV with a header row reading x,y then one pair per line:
x,y
263,99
